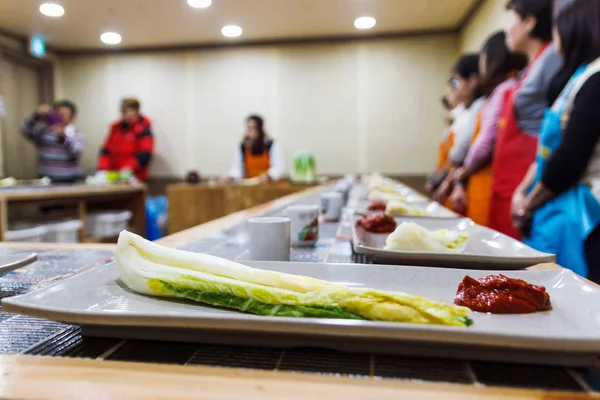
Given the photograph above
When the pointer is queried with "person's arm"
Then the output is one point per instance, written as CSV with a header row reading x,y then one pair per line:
x,y
481,152
277,160
527,180
570,160
104,159
74,141
464,136
145,149
237,168
568,163
531,101
33,128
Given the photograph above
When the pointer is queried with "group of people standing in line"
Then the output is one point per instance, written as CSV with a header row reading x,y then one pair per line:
x,y
521,153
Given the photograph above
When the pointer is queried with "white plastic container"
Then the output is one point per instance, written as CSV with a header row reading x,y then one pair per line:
x,y
26,233
66,231
107,224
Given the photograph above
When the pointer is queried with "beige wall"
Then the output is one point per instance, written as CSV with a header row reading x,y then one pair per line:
x,y
490,18
360,106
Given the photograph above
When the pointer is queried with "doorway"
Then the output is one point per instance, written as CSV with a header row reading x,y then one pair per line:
x,y
25,82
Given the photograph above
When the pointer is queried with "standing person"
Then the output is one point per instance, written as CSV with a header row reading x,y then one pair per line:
x,y
258,156
529,32
130,144
564,199
498,67
466,81
451,110
59,143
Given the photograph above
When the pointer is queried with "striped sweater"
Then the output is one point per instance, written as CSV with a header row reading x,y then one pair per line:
x,y
58,156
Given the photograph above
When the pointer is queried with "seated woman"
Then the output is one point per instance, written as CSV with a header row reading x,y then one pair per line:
x,y
258,155
466,81
498,67
565,189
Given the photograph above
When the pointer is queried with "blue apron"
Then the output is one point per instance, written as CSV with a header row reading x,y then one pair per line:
x,y
561,225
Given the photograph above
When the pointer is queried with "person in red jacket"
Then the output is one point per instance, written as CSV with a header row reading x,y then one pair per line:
x,y
130,144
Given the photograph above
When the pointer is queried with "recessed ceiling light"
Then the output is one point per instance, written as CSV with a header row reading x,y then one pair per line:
x,y
110,38
52,10
231,31
199,3
364,22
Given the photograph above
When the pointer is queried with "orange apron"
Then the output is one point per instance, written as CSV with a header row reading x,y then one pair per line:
x,y
256,165
443,159
444,151
479,188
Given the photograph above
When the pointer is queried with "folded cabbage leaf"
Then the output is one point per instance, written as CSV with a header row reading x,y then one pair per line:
x,y
154,270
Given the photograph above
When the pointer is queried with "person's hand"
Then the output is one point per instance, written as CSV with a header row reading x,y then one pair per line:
x,y
429,188
519,213
442,192
460,174
523,222
459,198
43,109
264,178
517,204
225,179
58,131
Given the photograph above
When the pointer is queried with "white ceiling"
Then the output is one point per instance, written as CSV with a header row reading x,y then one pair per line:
x,y
153,23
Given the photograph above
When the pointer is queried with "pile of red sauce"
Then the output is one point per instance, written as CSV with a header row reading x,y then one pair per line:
x,y
377,223
498,294
377,206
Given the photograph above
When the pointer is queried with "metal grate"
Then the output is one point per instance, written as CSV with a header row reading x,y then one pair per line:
x,y
323,361
236,357
525,376
430,369
154,352
70,343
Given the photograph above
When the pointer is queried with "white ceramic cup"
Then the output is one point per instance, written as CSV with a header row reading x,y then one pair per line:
x,y
304,224
331,206
269,239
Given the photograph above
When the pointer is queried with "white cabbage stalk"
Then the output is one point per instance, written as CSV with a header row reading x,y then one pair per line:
x,y
385,196
409,236
396,207
151,269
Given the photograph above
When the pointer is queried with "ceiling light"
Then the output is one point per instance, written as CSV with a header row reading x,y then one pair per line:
x,y
110,38
364,22
52,10
199,3
231,31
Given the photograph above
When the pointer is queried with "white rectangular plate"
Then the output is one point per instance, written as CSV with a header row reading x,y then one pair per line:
x,y
433,209
486,248
97,299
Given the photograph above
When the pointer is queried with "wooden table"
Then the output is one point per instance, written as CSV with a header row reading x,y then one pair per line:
x,y
29,377
192,205
79,199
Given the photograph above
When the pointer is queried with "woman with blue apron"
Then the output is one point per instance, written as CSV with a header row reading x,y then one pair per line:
x,y
562,224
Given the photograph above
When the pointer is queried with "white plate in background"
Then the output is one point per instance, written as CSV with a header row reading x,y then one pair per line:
x,y
433,209
486,249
